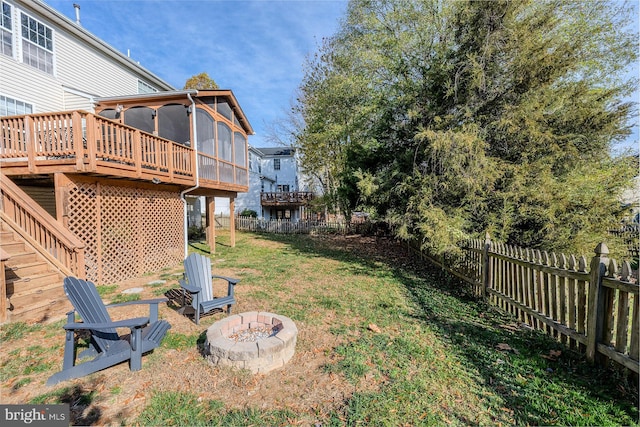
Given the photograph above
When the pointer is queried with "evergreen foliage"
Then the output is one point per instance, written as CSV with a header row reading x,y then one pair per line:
x,y
450,119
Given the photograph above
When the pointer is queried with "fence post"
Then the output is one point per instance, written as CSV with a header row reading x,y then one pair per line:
x,y
596,301
486,266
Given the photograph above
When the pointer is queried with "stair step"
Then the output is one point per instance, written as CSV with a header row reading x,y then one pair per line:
x,y
35,280
6,236
41,311
26,297
26,269
14,247
21,258
22,288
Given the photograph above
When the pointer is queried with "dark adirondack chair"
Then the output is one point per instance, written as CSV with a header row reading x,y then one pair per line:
x,y
106,347
199,284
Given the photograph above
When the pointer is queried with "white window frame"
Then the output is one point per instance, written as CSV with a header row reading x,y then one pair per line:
x,y
31,44
144,87
4,106
4,30
276,164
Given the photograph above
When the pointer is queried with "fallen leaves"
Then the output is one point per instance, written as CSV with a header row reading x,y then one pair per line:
x,y
374,328
506,347
553,355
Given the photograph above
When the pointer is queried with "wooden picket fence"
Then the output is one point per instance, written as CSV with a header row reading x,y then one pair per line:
x,y
591,306
289,227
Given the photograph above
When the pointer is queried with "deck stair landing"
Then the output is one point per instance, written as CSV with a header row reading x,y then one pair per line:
x,y
34,288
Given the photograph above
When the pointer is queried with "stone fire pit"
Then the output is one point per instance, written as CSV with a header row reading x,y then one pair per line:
x,y
257,341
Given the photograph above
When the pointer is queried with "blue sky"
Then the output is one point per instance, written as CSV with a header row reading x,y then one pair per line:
x,y
255,48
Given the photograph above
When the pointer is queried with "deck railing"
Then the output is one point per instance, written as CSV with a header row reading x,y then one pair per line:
x,y
39,142
50,238
80,141
285,198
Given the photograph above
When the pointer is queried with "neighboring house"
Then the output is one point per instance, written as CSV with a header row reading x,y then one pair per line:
x,y
98,157
276,188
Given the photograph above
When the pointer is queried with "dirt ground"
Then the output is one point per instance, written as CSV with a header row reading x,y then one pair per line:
x,y
117,396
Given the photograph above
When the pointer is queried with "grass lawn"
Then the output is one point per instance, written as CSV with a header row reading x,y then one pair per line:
x,y
382,341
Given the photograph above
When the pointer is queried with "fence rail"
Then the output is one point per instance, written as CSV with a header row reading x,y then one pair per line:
x,y
592,307
288,227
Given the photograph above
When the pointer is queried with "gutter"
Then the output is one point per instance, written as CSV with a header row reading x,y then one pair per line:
x,y
197,171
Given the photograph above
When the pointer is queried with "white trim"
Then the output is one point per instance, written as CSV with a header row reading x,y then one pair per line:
x,y
42,21
33,106
89,96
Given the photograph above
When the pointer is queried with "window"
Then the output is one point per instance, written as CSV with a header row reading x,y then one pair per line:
x,y
13,107
145,88
283,188
276,164
37,44
6,36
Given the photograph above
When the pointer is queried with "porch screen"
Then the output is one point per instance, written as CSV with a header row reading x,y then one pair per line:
x,y
224,142
240,149
205,126
173,123
224,108
140,118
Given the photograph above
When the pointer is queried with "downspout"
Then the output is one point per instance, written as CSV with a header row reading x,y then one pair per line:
x,y
197,172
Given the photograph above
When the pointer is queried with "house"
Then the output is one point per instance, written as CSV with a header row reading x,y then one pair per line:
x,y
98,157
277,189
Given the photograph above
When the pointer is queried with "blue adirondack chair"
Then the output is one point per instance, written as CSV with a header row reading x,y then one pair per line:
x,y
106,347
199,284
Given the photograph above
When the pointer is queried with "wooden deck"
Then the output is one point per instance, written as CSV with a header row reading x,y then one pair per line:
x,y
81,142
286,198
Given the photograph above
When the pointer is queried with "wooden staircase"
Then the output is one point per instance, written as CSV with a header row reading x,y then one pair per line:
x,y
33,286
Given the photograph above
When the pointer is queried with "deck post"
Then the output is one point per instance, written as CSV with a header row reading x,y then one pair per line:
x,y
29,139
211,223
137,152
595,318
92,141
232,221
3,287
78,146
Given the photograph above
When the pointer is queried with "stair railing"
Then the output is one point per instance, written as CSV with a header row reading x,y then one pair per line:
x,y
47,236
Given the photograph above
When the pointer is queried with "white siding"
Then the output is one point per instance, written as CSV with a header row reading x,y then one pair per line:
x,y
74,101
78,65
24,82
90,71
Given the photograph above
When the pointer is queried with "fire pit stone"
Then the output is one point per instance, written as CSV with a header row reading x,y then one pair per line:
x,y
257,341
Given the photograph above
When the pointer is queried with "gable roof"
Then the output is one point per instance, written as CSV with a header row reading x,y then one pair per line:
x,y
182,94
275,151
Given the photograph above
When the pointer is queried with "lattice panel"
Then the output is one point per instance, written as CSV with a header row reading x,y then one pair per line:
x,y
81,208
119,233
128,231
162,227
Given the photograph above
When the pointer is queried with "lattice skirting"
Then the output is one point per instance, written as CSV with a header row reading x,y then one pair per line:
x,y
128,230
